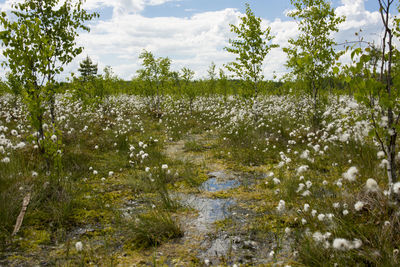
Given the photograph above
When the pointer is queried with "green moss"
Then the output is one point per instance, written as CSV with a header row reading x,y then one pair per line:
x,y
32,239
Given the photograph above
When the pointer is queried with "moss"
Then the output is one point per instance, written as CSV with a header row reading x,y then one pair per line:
x,y
32,239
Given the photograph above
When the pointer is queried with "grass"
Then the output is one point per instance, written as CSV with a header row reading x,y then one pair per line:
x,y
132,143
152,229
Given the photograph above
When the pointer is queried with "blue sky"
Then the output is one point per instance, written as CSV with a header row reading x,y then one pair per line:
x,y
269,9
193,33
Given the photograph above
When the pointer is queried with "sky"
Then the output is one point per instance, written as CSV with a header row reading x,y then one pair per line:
x,y
193,33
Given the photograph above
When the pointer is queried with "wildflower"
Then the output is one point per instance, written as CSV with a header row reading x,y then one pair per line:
x,y
276,181
359,205
351,173
147,169
79,246
96,147
380,154
14,132
110,173
372,185
303,221
321,217
341,244
53,138
302,169
34,174
164,166
318,237
384,163
313,213
6,160
301,187
336,205
308,184
325,182
95,172
306,193
305,154
306,207
345,212
357,243
281,206
396,188
287,230
387,223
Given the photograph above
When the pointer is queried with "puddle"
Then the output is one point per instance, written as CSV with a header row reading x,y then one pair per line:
x,y
209,210
215,185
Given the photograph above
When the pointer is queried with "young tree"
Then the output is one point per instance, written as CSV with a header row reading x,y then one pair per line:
x,y
377,85
251,48
87,69
189,90
312,54
223,83
212,75
156,71
39,40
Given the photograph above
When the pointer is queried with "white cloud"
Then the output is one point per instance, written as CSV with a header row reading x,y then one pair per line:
x,y
194,41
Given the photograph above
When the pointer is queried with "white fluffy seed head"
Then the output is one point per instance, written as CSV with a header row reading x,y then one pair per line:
x,y
79,246
359,205
396,188
351,174
371,185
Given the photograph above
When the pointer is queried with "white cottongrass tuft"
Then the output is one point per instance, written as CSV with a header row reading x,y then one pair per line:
x,y
371,185
79,246
302,169
54,138
341,244
359,205
276,181
281,206
164,166
351,174
306,207
313,213
6,160
396,188
384,163
380,154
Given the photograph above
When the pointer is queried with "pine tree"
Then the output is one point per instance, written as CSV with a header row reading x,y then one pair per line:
x,y
87,69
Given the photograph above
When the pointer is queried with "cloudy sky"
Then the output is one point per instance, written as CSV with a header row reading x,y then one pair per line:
x,y
193,33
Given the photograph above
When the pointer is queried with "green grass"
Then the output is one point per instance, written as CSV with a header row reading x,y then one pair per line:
x,y
151,229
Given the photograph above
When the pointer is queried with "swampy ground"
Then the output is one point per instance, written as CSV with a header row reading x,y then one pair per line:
x,y
202,183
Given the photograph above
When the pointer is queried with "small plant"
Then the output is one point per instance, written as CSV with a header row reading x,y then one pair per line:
x,y
152,229
193,146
